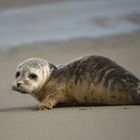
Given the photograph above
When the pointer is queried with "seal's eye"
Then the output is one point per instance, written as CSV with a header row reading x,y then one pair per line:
x,y
17,74
33,76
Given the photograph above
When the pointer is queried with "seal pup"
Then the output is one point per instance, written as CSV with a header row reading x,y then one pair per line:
x,y
90,80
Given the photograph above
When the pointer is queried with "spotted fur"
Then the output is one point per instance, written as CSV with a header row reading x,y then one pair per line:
x,y
91,80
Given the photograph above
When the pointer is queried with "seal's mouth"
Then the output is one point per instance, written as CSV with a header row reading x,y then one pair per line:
x,y
19,90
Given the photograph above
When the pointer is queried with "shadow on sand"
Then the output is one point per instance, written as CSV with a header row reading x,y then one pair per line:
x,y
60,106
33,108
15,109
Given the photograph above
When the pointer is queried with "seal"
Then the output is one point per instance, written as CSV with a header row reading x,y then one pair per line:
x,y
90,80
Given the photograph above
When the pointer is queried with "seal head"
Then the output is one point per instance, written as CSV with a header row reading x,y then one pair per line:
x,y
31,74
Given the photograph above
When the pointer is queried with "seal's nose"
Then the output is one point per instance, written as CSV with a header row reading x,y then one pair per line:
x,y
19,84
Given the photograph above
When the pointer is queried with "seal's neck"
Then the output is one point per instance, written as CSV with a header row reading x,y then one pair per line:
x,y
46,90
41,94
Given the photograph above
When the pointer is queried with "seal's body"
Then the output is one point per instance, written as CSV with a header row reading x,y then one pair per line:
x,y
91,80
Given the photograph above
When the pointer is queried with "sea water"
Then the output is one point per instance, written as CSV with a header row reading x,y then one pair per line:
x,y
66,20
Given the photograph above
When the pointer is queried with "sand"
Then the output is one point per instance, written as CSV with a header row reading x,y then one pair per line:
x,y
18,120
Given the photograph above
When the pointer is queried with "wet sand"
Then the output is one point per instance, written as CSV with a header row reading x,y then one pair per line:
x,y
19,120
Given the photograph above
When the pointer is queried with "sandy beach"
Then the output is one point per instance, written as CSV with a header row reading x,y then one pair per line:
x,y
19,120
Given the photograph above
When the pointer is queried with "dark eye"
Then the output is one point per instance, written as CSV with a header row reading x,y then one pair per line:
x,y
17,74
33,76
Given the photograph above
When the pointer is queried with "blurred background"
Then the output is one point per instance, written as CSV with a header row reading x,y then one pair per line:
x,y
32,21
59,31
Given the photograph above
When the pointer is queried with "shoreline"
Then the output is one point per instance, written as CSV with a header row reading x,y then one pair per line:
x,y
116,40
64,21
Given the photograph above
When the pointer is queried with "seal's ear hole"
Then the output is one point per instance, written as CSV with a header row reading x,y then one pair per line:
x,y
52,67
33,76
